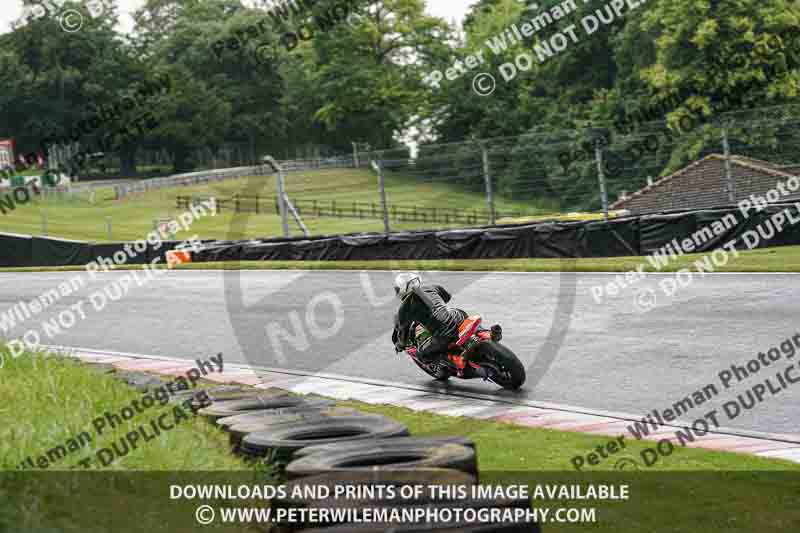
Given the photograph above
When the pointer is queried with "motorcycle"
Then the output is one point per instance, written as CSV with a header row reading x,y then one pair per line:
x,y
476,354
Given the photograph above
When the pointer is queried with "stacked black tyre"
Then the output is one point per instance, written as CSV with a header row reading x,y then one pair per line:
x,y
324,445
280,441
446,467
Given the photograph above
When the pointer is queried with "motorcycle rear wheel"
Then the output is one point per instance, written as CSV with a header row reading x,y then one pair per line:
x,y
512,373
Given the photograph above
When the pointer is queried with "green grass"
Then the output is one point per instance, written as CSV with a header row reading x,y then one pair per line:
x,y
85,218
49,402
46,400
690,490
61,398
779,259
64,396
30,172
504,447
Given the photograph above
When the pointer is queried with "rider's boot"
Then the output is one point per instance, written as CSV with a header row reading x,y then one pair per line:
x,y
497,332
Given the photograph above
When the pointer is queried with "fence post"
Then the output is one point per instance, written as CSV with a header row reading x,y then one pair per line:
x,y
598,156
378,166
355,154
282,204
728,174
487,177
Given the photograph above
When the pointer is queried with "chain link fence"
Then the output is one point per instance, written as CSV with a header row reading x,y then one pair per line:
x,y
596,171
591,172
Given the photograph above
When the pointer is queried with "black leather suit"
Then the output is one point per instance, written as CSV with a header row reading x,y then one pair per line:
x,y
426,305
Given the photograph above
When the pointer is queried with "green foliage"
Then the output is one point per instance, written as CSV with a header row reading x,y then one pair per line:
x,y
666,60
235,81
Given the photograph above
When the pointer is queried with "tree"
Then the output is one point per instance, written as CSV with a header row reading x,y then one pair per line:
x,y
368,74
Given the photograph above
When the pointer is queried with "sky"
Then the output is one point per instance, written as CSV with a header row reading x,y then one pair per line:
x,y
12,9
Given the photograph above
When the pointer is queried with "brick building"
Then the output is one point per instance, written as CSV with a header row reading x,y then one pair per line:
x,y
703,184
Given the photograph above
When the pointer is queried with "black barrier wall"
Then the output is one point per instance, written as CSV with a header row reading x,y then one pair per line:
x,y
627,236
25,250
15,250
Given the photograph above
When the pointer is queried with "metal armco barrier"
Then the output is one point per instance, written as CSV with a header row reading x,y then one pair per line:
x,y
192,178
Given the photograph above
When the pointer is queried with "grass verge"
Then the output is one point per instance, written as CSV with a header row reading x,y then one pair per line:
x,y
780,259
50,399
690,490
62,397
504,447
48,408
65,396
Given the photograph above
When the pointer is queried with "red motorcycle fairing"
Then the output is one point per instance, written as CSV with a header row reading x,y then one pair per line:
x,y
467,329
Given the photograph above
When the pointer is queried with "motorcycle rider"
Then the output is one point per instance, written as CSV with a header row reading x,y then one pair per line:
x,y
426,305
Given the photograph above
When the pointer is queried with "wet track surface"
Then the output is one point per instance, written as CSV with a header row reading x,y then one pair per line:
x,y
607,355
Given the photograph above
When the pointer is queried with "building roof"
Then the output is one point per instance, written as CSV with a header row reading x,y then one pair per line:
x,y
703,184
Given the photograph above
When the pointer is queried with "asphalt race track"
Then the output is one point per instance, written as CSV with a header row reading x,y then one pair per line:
x,y
634,352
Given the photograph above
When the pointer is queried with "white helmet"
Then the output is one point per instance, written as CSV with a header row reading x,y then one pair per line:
x,y
404,282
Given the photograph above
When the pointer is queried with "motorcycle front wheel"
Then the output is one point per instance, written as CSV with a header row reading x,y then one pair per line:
x,y
511,373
